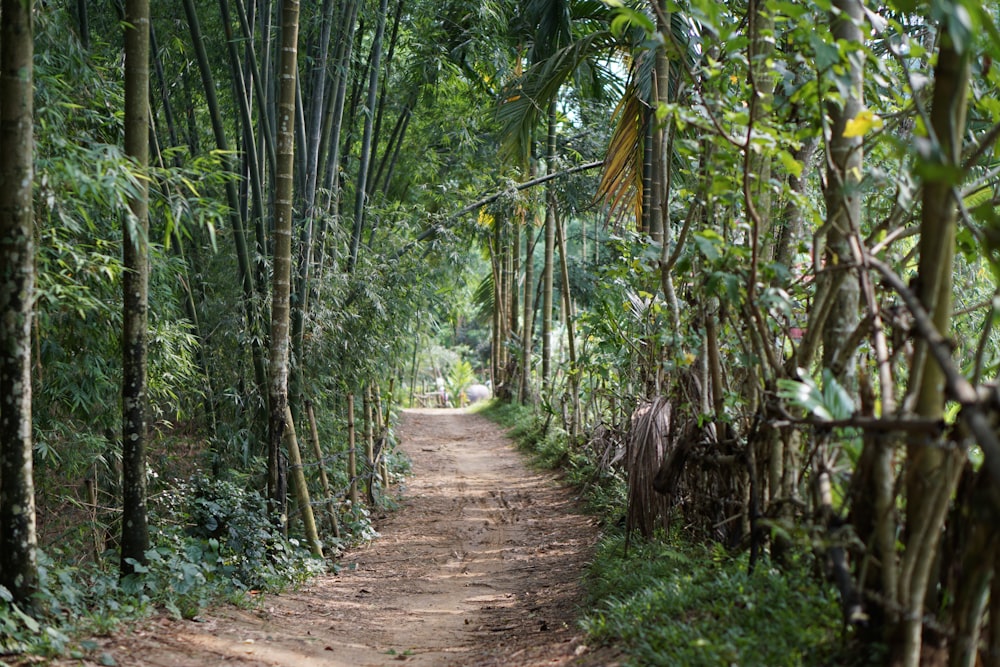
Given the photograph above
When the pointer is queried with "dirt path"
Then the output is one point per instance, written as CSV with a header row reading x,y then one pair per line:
x,y
479,566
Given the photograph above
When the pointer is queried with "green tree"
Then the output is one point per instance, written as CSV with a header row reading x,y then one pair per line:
x,y
933,472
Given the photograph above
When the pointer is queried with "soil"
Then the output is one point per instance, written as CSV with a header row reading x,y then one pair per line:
x,y
480,565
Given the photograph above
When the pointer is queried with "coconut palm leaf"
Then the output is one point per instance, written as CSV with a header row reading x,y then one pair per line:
x,y
483,299
526,102
621,184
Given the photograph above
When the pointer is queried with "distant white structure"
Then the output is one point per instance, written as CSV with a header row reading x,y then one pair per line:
x,y
477,392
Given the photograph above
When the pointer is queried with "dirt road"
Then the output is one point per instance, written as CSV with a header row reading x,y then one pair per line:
x,y
479,566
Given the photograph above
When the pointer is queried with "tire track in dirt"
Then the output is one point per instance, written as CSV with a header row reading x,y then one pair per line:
x,y
480,566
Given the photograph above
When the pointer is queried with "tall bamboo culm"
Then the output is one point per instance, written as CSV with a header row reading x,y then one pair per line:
x,y
369,447
352,459
331,508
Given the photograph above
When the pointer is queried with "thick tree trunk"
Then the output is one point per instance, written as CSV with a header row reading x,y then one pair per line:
x,y
281,279
135,286
18,563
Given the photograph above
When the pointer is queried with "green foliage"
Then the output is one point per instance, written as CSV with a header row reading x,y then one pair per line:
x,y
233,531
832,402
460,376
213,541
696,606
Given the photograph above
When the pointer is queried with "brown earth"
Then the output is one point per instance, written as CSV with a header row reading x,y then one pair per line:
x,y
480,565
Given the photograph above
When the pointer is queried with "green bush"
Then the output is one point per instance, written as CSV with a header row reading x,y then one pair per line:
x,y
674,603
229,534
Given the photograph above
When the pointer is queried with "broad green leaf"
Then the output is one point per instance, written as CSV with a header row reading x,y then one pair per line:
x,y
708,246
28,621
835,397
827,55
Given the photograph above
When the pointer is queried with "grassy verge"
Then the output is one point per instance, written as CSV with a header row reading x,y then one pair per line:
x,y
672,602
684,604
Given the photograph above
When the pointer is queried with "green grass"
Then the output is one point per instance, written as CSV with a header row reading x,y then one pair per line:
x,y
683,604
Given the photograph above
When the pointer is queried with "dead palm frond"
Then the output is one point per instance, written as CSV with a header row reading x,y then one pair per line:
x,y
646,446
621,185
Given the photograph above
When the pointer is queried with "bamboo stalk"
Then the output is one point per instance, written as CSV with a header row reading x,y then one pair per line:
x,y
91,483
383,465
352,459
324,480
301,490
369,447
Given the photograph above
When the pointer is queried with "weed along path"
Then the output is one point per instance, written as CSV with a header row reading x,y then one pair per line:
x,y
479,566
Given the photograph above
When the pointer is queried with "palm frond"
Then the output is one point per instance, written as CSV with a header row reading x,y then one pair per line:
x,y
621,186
483,299
527,100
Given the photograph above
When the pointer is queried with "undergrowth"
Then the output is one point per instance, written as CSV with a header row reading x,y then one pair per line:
x,y
213,541
670,601
601,489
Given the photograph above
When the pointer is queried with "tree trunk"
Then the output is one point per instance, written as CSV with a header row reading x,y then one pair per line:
x,y
135,286
281,281
83,21
932,472
345,48
842,195
317,99
574,376
246,273
301,488
331,508
550,242
383,99
18,541
528,326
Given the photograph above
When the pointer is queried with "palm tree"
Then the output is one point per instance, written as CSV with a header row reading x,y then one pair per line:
x,y
567,39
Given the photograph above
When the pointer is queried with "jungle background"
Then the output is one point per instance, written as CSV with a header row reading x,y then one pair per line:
x,y
739,262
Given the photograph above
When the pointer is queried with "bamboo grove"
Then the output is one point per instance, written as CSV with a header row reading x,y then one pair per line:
x,y
744,254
